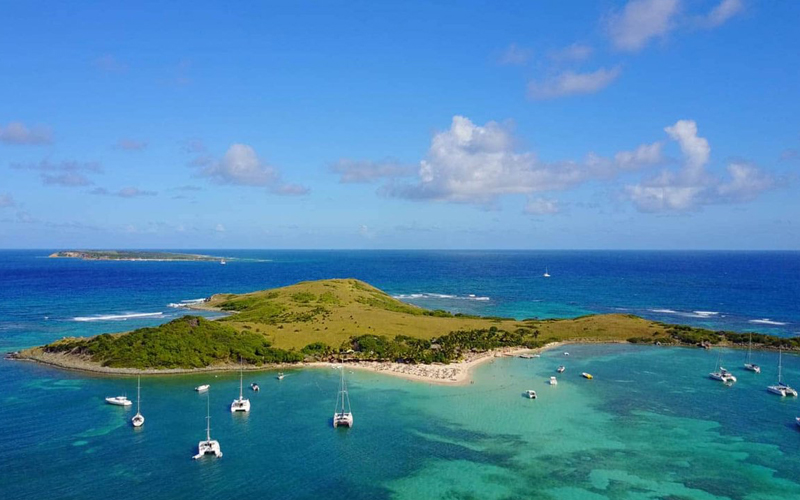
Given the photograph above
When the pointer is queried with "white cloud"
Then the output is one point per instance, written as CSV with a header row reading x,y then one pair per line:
x,y
641,21
571,83
18,134
126,192
574,52
241,166
366,232
67,179
476,164
720,14
541,206
219,228
514,55
6,200
130,145
363,171
692,186
65,173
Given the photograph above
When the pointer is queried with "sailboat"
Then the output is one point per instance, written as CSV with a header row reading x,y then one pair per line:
x,y
781,388
546,274
342,414
748,363
240,404
209,446
721,374
138,419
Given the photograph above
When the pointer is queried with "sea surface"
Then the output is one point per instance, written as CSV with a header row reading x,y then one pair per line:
x,y
651,424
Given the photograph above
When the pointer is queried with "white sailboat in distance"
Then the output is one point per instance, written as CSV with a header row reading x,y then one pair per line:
x,y
721,374
342,414
546,273
138,419
209,446
781,388
748,363
240,404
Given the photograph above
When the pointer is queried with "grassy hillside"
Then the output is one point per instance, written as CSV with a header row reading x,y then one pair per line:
x,y
347,317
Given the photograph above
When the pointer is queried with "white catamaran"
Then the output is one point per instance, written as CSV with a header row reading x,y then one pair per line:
x,y
138,419
209,446
748,363
721,374
781,388
342,414
240,404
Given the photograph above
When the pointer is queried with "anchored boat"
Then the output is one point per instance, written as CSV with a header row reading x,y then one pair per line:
x,y
209,446
240,404
342,414
138,419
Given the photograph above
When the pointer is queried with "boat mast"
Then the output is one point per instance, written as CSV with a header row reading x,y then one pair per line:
x,y
208,418
780,356
138,395
241,375
749,348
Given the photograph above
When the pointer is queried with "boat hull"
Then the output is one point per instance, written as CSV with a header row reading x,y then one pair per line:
x,y
137,420
202,388
116,401
240,405
753,368
208,448
343,420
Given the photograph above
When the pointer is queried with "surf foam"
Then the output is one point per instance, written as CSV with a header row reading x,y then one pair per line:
x,y
118,317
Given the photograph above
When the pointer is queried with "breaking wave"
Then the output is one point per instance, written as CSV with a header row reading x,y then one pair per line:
x,y
118,317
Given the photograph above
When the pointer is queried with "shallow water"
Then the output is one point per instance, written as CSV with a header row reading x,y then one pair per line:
x,y
649,425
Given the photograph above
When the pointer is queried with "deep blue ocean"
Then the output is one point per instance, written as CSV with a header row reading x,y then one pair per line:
x,y
650,425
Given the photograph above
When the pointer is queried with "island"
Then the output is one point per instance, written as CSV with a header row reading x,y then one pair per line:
x,y
348,320
132,255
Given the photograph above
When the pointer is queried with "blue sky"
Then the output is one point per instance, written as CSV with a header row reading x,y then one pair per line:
x,y
645,124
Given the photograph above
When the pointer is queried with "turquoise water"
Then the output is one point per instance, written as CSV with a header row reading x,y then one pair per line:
x,y
650,425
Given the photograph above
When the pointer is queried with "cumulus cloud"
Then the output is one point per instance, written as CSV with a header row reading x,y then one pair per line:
x,y
720,14
6,200
130,145
692,186
570,83
475,164
641,21
65,173
241,166
219,228
514,55
126,192
18,133
574,52
541,206
364,171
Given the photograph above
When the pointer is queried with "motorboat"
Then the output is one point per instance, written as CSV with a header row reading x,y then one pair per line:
x,y
553,381
587,375
201,388
561,369
531,394
119,401
280,376
255,387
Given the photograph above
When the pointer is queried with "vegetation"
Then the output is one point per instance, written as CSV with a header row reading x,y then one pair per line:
x,y
187,342
320,320
129,255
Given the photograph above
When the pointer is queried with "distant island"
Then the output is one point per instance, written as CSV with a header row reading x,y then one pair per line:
x,y
349,320
130,255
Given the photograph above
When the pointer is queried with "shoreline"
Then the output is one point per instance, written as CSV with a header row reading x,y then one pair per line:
x,y
458,373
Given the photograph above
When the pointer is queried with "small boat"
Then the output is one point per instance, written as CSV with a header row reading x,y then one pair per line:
x,y
531,394
561,369
119,401
526,356
280,376
255,387
748,363
222,262
209,446
138,419
553,381
342,414
566,354
240,404
546,273
587,375
201,388
781,388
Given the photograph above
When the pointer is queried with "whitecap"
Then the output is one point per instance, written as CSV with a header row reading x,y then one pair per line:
x,y
118,317
446,296
664,311
766,321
